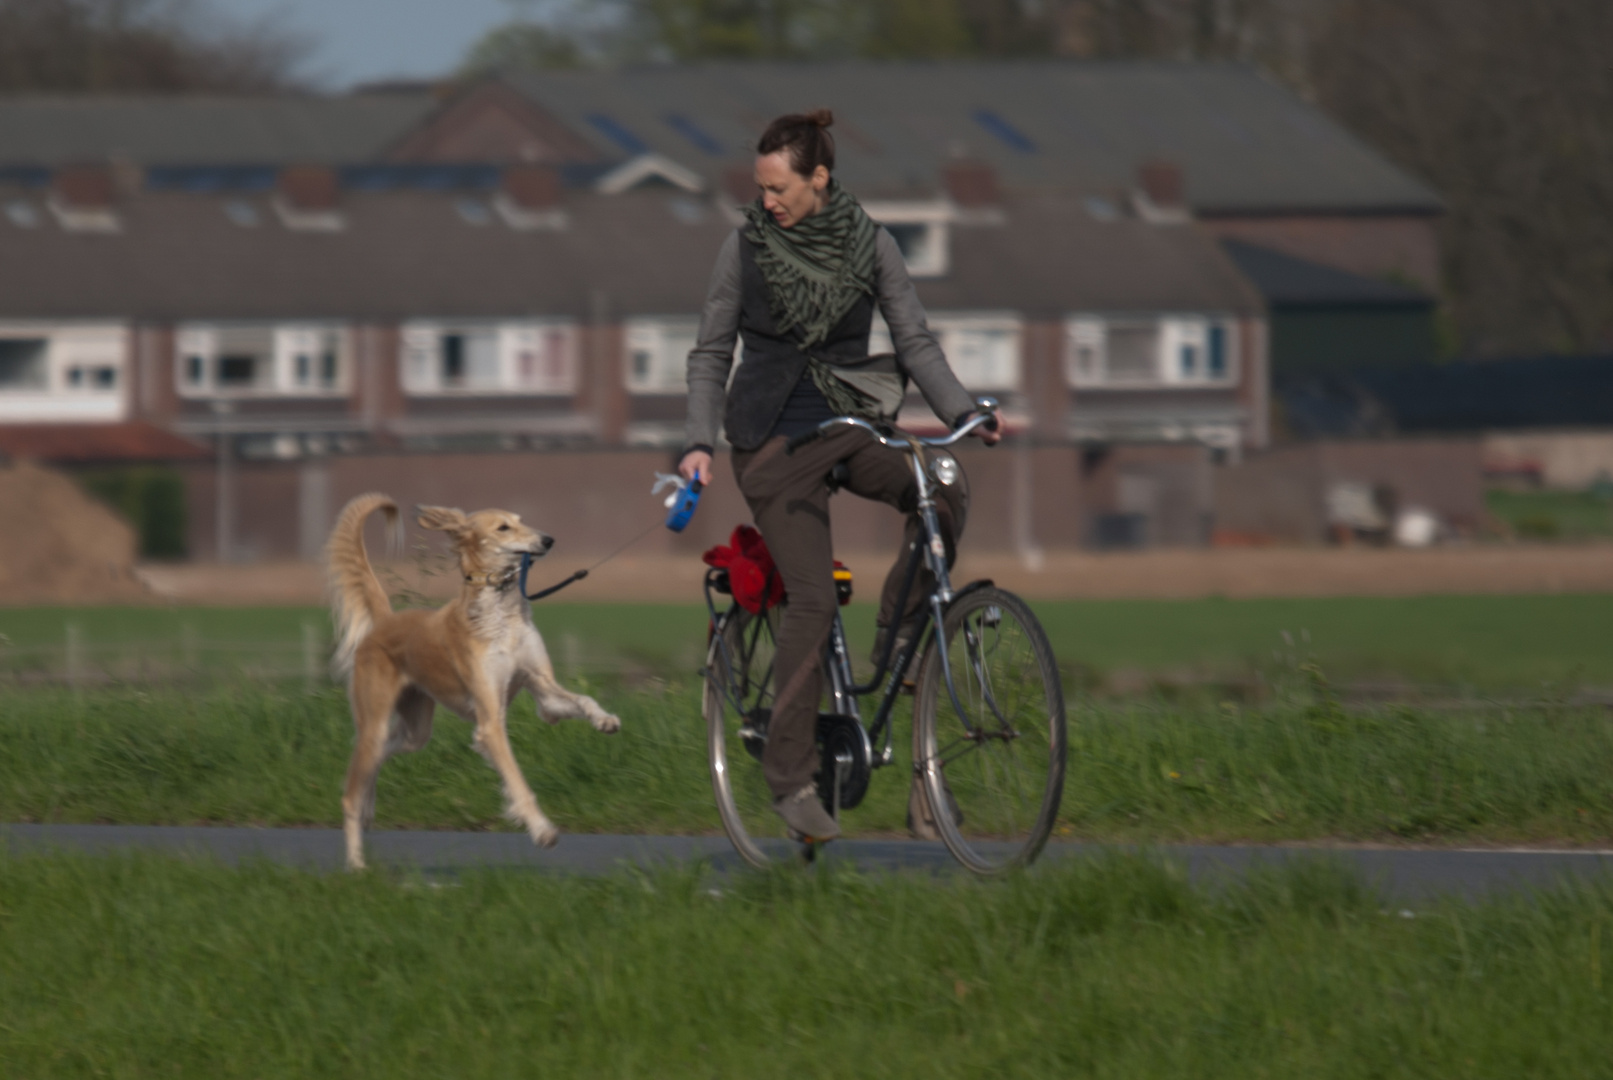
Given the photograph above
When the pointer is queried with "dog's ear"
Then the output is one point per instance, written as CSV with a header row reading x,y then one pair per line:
x,y
444,518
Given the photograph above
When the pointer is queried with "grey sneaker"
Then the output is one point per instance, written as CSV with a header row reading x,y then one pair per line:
x,y
803,812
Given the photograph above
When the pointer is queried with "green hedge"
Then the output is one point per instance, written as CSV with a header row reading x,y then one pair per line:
x,y
151,498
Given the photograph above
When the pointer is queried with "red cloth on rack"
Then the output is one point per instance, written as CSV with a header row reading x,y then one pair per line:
x,y
752,578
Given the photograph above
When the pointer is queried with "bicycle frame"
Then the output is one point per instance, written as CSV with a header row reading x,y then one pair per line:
x,y
930,548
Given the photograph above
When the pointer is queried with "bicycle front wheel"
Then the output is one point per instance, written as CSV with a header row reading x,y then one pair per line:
x,y
738,704
991,750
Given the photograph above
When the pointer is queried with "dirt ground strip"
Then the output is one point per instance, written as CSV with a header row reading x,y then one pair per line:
x,y
1240,573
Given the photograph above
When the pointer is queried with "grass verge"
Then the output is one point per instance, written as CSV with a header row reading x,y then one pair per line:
x,y
1299,767
151,967
1492,643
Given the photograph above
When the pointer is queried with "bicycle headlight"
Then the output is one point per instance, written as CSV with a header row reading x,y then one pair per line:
x,y
945,470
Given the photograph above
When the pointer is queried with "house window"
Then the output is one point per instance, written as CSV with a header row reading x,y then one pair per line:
x,y
310,358
262,359
921,231
102,378
490,358
1154,351
64,372
658,354
983,350
1131,352
24,364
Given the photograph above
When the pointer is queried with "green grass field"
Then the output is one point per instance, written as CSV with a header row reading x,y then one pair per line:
x,y
1269,753
1300,766
148,967
1487,643
1554,515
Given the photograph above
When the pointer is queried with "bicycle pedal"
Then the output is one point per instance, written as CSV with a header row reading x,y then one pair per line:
x,y
804,840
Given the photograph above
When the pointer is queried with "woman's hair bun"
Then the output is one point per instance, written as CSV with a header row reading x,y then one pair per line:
x,y
805,136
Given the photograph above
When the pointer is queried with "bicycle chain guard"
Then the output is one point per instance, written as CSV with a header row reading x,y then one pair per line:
x,y
847,757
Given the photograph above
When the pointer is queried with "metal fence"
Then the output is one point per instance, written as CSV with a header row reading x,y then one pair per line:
x,y
191,657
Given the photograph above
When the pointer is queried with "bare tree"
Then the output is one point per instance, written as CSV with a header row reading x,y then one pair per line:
x,y
163,46
1507,109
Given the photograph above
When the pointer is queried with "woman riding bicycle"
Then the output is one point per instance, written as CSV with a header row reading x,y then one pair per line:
x,y
799,281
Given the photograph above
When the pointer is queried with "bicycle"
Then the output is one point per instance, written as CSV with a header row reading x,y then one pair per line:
x,y
989,727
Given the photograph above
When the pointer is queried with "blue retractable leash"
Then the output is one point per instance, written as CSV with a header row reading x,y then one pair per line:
x,y
680,508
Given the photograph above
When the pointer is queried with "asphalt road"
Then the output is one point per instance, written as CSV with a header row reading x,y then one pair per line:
x,y
1401,873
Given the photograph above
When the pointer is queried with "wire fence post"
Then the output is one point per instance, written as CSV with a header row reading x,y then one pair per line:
x,y
75,654
310,656
571,650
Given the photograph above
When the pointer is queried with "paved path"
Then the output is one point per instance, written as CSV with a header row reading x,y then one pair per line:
x,y
1401,873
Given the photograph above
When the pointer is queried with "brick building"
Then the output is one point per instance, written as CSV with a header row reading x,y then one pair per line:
x,y
308,285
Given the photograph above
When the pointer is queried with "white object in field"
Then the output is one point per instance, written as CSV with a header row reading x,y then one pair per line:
x,y
1351,504
1416,527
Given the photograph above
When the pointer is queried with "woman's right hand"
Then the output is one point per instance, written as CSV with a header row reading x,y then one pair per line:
x,y
696,465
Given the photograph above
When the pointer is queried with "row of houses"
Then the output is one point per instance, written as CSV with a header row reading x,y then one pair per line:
x,y
517,266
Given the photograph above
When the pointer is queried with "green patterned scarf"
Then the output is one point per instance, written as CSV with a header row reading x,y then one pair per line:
x,y
816,270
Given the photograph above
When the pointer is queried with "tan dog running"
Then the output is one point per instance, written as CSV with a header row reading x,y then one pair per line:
x,y
471,656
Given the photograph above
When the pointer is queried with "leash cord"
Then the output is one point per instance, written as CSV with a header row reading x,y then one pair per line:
x,y
526,564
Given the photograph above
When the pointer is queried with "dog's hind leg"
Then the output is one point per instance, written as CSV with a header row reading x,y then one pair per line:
x,y
373,693
493,742
411,723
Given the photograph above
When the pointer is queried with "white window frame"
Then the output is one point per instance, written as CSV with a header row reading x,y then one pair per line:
x,y
197,347
530,357
1086,351
936,218
655,353
953,330
950,328
91,349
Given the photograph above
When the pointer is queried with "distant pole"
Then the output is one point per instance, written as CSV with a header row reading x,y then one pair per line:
x,y
187,647
223,486
75,654
310,656
1024,510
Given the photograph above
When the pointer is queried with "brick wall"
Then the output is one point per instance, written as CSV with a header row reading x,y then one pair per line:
x,y
1022,496
1280,495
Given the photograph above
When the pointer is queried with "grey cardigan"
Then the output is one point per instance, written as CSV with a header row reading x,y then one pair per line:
x,y
712,357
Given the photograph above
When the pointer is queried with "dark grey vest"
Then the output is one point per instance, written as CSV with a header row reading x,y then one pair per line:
x,y
771,362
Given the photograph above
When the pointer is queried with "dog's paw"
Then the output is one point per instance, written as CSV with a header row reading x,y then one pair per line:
x,y
546,837
608,724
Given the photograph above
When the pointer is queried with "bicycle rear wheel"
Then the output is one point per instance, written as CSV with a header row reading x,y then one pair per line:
x,y
738,703
994,771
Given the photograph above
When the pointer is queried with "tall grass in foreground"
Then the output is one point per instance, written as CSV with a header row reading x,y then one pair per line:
x,y
1300,767
147,967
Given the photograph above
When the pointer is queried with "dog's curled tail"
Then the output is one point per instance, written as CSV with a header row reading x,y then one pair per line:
x,y
356,597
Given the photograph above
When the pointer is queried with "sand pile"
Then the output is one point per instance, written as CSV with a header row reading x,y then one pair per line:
x,y
58,545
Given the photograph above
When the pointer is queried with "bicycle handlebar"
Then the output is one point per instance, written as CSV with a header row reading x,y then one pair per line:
x,y
985,419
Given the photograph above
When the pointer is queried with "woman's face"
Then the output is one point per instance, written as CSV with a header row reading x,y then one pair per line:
x,y
786,194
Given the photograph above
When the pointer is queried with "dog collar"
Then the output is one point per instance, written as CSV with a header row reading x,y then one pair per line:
x,y
491,580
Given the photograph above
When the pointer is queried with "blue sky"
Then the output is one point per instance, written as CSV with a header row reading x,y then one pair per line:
x,y
363,40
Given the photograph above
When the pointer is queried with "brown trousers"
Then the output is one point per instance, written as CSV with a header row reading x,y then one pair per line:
x,y
789,499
